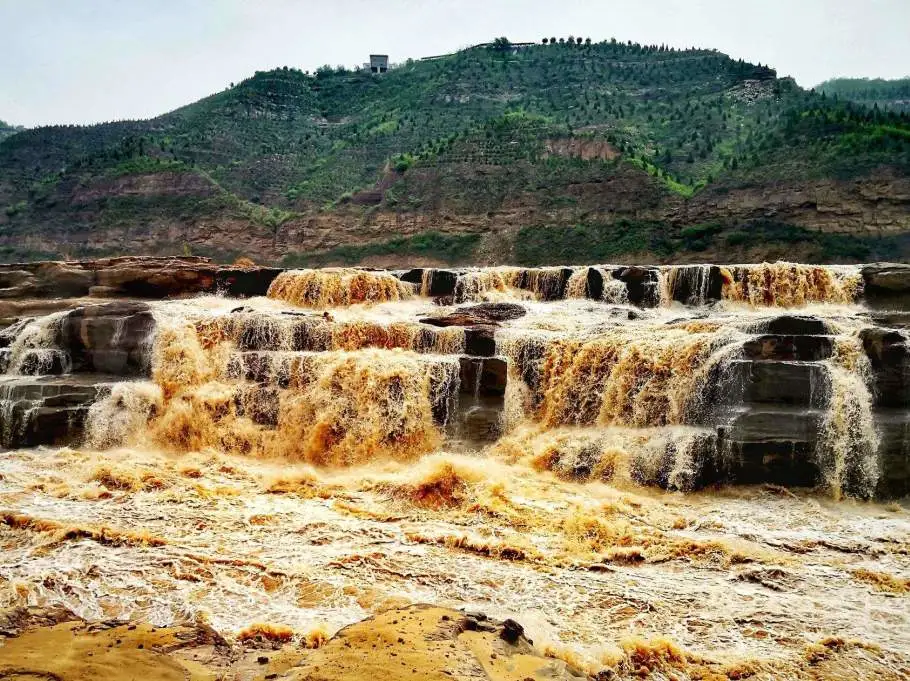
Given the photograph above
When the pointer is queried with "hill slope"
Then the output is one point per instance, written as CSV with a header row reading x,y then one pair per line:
x,y
885,94
7,130
532,154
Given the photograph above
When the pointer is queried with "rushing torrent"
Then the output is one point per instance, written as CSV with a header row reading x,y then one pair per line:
x,y
508,440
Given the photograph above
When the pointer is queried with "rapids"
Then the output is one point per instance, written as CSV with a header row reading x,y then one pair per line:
x,y
686,452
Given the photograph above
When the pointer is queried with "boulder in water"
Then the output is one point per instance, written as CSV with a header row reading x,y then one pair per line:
x,y
484,314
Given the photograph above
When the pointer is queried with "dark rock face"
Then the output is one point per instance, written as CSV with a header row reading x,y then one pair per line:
x,y
480,341
594,284
441,282
495,312
779,382
239,282
46,410
793,325
697,284
792,348
642,283
894,429
483,376
546,287
113,338
886,279
889,356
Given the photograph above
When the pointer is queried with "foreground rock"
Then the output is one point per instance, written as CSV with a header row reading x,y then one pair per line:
x,y
48,410
426,642
419,642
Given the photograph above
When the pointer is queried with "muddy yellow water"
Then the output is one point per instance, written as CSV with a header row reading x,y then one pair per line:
x,y
180,508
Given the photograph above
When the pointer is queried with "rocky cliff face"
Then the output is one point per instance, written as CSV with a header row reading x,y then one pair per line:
x,y
865,210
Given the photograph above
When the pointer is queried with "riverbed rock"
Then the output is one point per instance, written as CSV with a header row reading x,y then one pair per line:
x,y
697,284
889,355
886,279
47,410
495,312
642,284
792,348
433,643
441,283
144,279
480,341
113,338
45,280
485,376
792,325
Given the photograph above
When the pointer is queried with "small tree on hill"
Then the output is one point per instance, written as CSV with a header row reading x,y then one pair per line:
x,y
587,41
552,41
578,40
545,41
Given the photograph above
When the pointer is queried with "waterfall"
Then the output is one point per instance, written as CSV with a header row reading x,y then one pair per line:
x,y
337,287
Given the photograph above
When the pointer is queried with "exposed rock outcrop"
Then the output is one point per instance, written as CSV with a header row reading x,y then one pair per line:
x,y
114,338
132,277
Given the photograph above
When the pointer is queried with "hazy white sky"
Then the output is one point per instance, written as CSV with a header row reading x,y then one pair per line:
x,y
80,61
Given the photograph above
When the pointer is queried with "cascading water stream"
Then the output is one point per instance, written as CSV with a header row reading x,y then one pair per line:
x,y
309,458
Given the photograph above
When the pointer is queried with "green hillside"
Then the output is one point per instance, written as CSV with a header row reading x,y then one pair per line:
x,y
452,151
877,92
6,129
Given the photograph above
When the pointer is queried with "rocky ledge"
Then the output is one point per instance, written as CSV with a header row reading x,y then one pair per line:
x,y
132,277
158,278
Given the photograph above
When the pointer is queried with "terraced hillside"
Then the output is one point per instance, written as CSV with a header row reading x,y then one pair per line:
x,y
528,154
